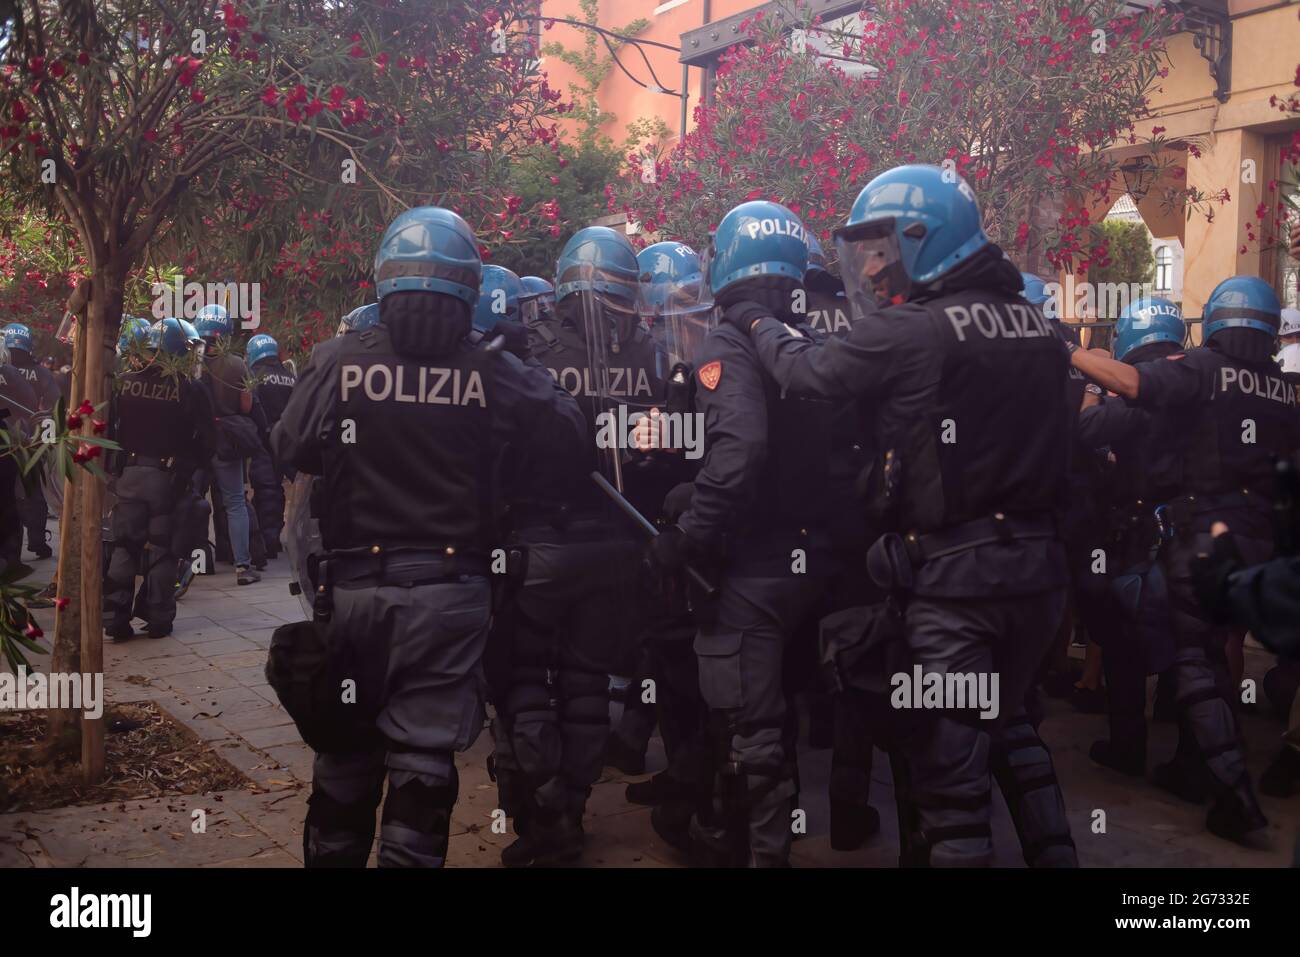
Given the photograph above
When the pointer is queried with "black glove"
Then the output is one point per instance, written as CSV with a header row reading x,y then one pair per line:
x,y
670,550
743,315
678,500
1211,574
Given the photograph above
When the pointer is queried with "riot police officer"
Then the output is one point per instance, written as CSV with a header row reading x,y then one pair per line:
x,y
576,613
828,310
18,340
972,427
163,423
403,421
17,408
1144,478
752,515
1237,416
499,311
679,314
359,319
274,383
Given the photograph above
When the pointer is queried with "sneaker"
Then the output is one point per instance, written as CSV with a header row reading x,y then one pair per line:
x,y
184,582
546,846
246,576
44,598
41,551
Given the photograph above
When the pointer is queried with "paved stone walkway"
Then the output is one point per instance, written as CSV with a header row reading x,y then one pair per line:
x,y
208,675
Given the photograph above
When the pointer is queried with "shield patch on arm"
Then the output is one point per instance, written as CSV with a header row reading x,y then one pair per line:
x,y
711,375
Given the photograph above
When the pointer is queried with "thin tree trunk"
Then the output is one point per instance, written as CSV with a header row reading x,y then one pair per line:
x,y
102,320
63,731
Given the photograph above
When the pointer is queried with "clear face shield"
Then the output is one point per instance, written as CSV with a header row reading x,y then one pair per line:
x,y
681,317
871,265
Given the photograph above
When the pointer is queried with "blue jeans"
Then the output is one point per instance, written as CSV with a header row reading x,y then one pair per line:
x,y
230,481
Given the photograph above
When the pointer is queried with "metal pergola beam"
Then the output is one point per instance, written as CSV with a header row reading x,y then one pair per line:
x,y
701,46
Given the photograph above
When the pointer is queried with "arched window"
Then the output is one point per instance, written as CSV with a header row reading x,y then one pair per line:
x,y
1164,269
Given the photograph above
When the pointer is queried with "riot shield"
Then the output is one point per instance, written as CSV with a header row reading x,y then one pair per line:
x,y
302,537
624,371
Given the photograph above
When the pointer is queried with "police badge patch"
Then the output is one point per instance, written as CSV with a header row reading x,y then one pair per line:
x,y
711,374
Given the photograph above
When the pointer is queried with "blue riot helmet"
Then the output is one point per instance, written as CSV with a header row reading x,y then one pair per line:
x,y
359,319
134,329
18,336
597,280
1145,321
1242,302
679,303
1035,289
757,240
537,301
671,275
429,249
816,271
213,322
498,297
261,347
908,229
168,336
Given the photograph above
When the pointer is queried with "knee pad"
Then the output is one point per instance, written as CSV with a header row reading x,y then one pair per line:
x,y
1022,766
420,803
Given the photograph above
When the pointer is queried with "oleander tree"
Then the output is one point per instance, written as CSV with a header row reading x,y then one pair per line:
x,y
249,141
1020,99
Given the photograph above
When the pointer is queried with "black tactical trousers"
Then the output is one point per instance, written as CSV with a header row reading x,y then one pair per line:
x,y
418,653
1208,735
951,751
268,499
575,620
34,512
143,525
741,656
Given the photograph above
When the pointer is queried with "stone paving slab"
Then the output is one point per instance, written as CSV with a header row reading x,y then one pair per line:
x,y
209,676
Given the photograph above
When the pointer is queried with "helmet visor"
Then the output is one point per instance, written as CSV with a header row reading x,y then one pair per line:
x,y
871,265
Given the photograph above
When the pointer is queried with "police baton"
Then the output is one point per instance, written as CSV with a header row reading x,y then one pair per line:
x,y
648,528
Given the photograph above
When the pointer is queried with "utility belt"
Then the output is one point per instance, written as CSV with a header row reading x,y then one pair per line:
x,y
894,557
400,566
165,464
1182,513
998,528
558,525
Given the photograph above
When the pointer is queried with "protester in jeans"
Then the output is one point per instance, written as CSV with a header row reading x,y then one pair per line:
x,y
232,401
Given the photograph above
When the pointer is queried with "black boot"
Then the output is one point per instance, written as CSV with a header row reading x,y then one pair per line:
x,y
552,839
1282,777
1235,820
1125,760
852,824
672,822
660,788
619,754
1191,783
